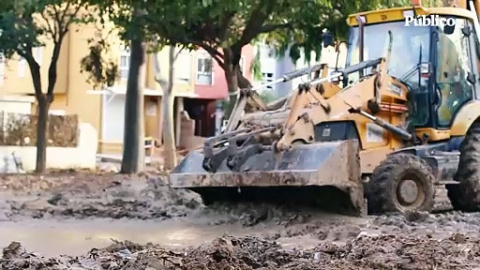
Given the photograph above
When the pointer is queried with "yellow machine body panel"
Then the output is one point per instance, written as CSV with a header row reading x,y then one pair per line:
x,y
390,93
465,118
397,14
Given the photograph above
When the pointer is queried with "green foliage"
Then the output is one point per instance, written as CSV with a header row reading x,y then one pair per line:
x,y
101,72
25,24
223,27
307,35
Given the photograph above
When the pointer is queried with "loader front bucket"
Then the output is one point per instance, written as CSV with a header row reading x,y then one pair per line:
x,y
326,173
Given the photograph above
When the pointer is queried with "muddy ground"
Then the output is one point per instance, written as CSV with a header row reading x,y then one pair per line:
x,y
447,240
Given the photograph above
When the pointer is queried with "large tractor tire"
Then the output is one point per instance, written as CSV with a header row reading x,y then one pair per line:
x,y
466,195
401,182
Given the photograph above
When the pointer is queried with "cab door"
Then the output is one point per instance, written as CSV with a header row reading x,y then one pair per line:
x,y
454,84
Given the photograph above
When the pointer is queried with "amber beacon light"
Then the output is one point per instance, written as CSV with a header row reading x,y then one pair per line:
x,y
416,3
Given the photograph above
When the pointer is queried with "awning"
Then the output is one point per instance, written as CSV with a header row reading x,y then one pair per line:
x,y
121,90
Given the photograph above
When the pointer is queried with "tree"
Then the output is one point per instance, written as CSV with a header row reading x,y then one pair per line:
x,y
224,27
133,136
26,24
170,154
103,72
128,18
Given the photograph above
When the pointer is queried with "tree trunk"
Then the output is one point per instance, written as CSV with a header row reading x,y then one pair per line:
x,y
235,80
42,124
234,77
43,104
168,128
133,140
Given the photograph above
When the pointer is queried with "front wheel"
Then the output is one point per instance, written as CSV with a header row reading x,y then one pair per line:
x,y
400,183
466,196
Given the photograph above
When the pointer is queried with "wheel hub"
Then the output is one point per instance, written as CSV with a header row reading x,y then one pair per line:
x,y
408,191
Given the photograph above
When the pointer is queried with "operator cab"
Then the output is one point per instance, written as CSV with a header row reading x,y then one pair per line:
x,y
437,63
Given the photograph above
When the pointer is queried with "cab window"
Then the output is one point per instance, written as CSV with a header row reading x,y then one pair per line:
x,y
452,69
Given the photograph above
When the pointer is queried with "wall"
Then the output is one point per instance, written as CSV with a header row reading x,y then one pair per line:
x,y
16,104
70,93
82,156
111,140
76,100
183,62
152,111
219,88
17,73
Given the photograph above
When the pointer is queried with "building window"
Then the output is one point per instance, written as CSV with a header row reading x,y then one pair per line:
x,y
268,78
183,66
124,64
204,70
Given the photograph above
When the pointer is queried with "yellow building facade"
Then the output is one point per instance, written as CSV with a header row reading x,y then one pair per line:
x,y
103,109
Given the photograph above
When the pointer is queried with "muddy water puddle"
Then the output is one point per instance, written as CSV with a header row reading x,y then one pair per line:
x,y
76,237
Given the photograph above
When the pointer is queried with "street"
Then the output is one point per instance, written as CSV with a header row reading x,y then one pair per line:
x,y
72,214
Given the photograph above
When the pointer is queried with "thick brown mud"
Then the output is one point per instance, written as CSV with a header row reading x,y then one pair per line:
x,y
70,213
84,195
381,252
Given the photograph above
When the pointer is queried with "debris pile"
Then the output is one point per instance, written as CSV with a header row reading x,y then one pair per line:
x,y
382,252
106,196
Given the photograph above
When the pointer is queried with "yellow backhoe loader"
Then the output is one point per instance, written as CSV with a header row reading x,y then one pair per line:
x,y
407,119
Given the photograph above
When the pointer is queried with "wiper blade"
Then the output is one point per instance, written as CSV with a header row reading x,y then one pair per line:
x,y
409,73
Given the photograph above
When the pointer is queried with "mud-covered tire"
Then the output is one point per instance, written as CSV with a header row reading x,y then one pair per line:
x,y
466,197
455,196
384,186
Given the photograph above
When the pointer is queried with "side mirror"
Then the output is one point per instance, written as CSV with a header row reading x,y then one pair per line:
x,y
449,29
426,70
327,39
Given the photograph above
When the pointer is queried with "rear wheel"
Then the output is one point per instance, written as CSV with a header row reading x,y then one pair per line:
x,y
401,182
466,195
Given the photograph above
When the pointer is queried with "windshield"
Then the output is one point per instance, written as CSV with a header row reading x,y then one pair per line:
x,y
407,44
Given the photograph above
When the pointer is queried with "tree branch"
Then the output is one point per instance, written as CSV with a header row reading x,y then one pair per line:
x,y
35,72
272,27
56,16
224,25
62,18
260,30
258,17
177,54
220,62
215,54
72,16
52,70
49,26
